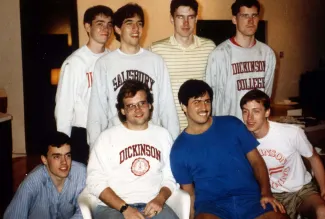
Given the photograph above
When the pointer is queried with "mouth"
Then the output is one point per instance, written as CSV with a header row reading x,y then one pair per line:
x,y
205,113
63,169
135,35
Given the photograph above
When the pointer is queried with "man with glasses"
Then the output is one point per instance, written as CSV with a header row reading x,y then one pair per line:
x,y
241,63
75,84
51,190
129,168
130,61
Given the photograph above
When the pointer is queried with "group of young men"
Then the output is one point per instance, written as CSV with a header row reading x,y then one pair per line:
x,y
150,121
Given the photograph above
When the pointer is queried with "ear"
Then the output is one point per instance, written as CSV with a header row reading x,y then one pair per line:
x,y
123,111
267,113
87,27
234,20
150,106
171,19
44,159
117,30
184,108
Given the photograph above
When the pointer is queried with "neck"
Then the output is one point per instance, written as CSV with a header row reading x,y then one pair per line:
x,y
129,49
261,133
184,41
58,182
96,47
196,129
245,41
135,127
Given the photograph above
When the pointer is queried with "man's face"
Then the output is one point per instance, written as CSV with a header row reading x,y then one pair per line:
x,y
255,116
100,29
130,31
198,110
58,161
137,111
246,21
184,21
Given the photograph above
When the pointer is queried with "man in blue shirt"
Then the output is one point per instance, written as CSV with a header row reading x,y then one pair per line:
x,y
51,190
218,155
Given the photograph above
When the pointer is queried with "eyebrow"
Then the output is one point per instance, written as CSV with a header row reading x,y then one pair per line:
x,y
56,154
128,20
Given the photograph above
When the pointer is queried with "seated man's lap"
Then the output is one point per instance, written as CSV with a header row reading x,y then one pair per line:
x,y
105,212
247,207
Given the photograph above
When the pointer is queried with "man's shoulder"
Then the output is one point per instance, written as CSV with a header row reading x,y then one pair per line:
x,y
159,129
161,43
36,177
264,46
284,128
222,48
206,42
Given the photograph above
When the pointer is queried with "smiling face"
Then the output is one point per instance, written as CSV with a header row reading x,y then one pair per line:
x,y
184,21
100,29
198,110
130,32
58,162
255,118
137,111
246,21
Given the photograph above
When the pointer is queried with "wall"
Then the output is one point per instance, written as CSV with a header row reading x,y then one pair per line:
x,y
294,27
11,69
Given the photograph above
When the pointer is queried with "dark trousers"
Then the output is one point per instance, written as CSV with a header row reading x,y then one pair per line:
x,y
79,145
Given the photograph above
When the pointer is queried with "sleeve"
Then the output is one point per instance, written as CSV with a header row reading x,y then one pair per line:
x,y
302,144
167,108
98,172
97,120
216,77
168,178
179,169
65,96
81,183
269,72
18,208
246,138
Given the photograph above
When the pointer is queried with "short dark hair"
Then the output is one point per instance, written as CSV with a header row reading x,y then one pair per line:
x,y
257,95
92,12
193,89
177,3
54,139
235,7
130,89
127,11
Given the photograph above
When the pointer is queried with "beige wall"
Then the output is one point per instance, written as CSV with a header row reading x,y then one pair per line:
x,y
11,69
293,27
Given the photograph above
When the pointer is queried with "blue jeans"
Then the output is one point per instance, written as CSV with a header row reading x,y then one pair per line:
x,y
105,212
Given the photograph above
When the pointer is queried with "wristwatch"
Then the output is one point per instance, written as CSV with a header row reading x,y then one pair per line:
x,y
123,208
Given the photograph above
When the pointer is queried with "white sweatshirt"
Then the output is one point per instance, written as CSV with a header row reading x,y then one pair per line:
x,y
111,71
233,70
134,164
73,92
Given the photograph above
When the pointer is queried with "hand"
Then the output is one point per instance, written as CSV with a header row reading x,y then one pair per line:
x,y
154,207
132,213
275,203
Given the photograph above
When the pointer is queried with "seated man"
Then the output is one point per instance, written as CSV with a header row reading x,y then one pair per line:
x,y
281,146
219,156
129,168
51,190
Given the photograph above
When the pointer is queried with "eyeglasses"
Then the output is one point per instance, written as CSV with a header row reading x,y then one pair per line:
x,y
140,105
247,16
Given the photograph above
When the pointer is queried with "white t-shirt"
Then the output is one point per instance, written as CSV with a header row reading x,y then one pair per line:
x,y
281,150
73,92
134,164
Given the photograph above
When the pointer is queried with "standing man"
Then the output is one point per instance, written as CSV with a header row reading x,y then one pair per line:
x,y
185,54
241,63
51,190
73,93
129,167
130,61
282,147
218,155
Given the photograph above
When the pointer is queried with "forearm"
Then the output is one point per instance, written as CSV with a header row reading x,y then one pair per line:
x,y
164,194
109,197
262,178
318,169
192,211
189,188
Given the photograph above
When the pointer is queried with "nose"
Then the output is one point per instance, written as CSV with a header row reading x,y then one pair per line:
x,y
63,159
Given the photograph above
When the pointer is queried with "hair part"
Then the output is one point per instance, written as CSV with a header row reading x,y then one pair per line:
x,y
258,96
189,3
193,89
94,11
235,7
54,139
129,89
129,10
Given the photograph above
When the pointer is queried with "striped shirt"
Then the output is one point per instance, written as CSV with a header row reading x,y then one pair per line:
x,y
183,63
38,198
